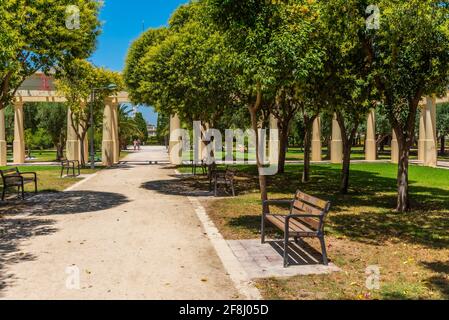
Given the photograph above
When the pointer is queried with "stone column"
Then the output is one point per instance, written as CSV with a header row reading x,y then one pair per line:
x,y
274,156
394,149
422,133
370,141
115,132
108,134
316,141
72,144
175,124
430,151
337,142
3,149
19,134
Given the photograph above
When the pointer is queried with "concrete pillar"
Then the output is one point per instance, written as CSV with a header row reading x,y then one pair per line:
x,y
394,149
274,156
430,150
72,144
3,149
337,142
316,141
422,133
370,141
115,130
175,124
108,134
19,134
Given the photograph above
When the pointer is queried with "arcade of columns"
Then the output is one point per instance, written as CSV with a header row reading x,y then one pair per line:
x,y
110,144
427,137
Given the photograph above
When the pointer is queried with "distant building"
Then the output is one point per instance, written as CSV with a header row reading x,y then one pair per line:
x,y
152,130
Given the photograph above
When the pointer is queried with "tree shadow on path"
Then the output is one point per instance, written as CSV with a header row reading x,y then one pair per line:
x,y
22,221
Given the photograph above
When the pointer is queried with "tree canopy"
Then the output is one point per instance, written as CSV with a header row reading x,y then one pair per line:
x,y
37,36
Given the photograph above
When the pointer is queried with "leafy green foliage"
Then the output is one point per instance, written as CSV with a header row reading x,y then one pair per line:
x,y
35,37
141,124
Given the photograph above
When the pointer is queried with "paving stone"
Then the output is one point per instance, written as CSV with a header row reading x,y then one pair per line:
x,y
266,260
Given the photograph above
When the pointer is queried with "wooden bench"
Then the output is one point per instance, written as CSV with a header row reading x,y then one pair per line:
x,y
14,178
70,165
306,219
225,178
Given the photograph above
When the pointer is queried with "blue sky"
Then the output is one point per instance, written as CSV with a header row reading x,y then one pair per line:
x,y
123,22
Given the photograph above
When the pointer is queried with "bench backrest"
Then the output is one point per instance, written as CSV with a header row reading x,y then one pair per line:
x,y
306,204
10,172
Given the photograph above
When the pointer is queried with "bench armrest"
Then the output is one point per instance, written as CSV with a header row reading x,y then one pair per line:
x,y
5,178
31,173
275,202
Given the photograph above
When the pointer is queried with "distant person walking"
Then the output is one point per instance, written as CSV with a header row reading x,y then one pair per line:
x,y
135,144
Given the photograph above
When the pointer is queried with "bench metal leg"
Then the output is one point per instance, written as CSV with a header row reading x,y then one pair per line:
x,y
216,188
3,193
23,192
262,229
232,188
62,170
286,239
324,251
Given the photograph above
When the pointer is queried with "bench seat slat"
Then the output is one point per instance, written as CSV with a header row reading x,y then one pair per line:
x,y
295,226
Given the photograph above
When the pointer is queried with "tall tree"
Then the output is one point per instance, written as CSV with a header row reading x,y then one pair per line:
x,y
53,119
41,35
410,54
142,127
127,126
348,70
76,83
273,52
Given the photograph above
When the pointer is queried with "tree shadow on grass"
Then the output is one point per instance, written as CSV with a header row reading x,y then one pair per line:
x,y
367,213
439,282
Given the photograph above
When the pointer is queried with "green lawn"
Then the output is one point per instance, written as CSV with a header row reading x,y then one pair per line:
x,y
50,155
297,154
49,177
411,249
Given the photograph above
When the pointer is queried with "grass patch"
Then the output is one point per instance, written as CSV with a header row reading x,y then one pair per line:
x,y
412,250
49,179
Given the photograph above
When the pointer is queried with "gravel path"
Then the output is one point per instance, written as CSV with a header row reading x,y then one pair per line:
x,y
125,234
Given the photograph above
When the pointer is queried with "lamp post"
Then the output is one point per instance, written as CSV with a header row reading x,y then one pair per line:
x,y
92,125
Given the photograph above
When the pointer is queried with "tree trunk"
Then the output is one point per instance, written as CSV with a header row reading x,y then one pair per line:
x,y
59,151
82,155
283,144
403,204
262,178
328,149
307,145
344,187
308,128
